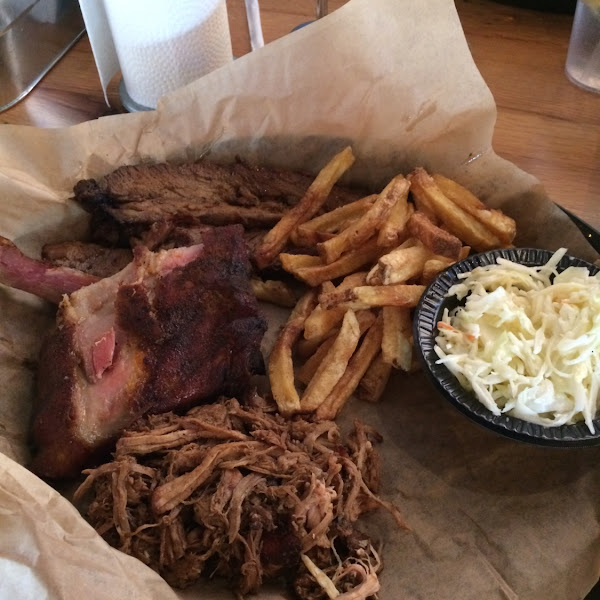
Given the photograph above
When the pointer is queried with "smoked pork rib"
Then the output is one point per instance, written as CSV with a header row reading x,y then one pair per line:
x,y
131,198
38,277
171,329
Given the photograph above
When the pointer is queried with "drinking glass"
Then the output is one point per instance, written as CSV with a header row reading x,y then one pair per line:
x,y
583,58
321,10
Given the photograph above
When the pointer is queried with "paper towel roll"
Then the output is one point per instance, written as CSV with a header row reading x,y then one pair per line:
x,y
159,45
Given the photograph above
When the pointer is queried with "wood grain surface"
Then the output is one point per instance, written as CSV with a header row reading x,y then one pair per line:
x,y
546,125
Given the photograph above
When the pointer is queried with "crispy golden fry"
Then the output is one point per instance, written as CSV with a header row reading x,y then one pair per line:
x,y
365,319
402,264
357,367
375,275
352,280
368,296
281,366
333,365
396,344
374,381
432,268
293,262
306,348
316,195
393,229
458,194
496,221
320,322
368,225
325,226
433,237
455,219
348,263
275,292
307,371
392,243
421,201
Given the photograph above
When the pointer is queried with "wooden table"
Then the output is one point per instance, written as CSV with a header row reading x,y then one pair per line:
x,y
546,125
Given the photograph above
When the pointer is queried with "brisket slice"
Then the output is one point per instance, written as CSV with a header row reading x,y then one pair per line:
x,y
88,257
102,261
172,329
127,201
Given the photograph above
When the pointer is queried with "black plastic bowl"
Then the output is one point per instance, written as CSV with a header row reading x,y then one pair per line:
x,y
428,314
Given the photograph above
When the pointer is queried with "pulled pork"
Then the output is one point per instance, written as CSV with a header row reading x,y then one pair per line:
x,y
240,492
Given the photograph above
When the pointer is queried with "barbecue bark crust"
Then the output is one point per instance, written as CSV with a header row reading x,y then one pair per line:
x,y
172,329
128,200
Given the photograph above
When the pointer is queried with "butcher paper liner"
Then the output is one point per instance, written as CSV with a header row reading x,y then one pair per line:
x,y
490,518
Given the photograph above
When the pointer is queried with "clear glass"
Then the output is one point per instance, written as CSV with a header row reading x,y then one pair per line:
x,y
583,58
322,8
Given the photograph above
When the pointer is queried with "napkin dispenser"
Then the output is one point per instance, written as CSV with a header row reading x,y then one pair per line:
x,y
34,35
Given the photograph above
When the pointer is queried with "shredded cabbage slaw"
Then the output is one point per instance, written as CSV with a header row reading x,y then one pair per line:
x,y
527,340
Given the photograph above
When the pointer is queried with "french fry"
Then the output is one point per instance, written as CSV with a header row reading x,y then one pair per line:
x,y
307,371
433,237
314,198
368,296
357,367
432,268
320,322
496,221
375,275
324,226
333,365
293,262
456,220
464,252
281,365
421,201
374,381
402,264
358,233
394,227
275,292
348,263
387,247
458,194
396,344
306,348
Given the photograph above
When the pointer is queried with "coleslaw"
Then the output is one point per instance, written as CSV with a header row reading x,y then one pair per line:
x,y
527,340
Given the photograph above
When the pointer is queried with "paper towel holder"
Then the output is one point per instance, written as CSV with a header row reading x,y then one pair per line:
x,y
129,104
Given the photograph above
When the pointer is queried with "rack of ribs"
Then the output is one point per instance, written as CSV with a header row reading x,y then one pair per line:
x,y
172,329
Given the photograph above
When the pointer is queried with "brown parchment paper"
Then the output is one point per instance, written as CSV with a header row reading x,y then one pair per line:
x,y
490,518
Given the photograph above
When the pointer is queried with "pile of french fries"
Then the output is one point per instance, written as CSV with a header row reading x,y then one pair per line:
x,y
366,265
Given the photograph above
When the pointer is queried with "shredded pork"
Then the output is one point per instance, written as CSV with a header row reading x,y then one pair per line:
x,y
240,492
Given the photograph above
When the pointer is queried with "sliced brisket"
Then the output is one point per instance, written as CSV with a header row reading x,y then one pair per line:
x,y
127,201
88,257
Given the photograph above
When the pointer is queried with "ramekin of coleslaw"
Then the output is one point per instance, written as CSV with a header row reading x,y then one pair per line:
x,y
519,331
